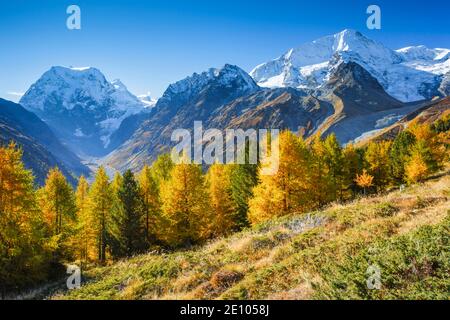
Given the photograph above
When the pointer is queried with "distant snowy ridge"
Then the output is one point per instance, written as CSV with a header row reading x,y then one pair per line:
x,y
436,61
408,74
147,100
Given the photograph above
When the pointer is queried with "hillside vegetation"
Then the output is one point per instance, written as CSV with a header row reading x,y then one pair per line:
x,y
169,207
321,255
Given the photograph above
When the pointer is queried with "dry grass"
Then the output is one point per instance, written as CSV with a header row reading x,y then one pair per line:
x,y
280,259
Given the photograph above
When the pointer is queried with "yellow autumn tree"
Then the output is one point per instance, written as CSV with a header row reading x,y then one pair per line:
x,y
285,191
321,190
23,252
378,162
364,180
218,182
57,201
421,131
116,183
149,192
426,138
100,205
334,161
185,210
85,235
417,168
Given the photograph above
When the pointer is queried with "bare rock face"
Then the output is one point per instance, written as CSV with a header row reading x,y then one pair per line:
x,y
350,104
195,98
362,105
283,108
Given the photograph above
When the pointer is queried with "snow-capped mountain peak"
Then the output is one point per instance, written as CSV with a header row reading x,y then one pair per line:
x,y
226,76
64,82
81,104
147,100
229,73
310,65
118,85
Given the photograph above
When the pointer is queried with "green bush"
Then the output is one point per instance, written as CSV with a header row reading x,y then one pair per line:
x,y
413,266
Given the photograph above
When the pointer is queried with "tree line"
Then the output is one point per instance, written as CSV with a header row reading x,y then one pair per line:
x,y
171,206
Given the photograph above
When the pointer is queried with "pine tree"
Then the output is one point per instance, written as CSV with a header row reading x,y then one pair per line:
x,y
399,154
219,185
113,239
243,178
127,223
353,163
100,205
185,209
116,183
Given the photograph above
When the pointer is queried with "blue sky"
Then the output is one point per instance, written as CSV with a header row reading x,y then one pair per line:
x,y
150,44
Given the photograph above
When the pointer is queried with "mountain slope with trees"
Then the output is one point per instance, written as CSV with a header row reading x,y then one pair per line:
x,y
41,148
322,255
174,208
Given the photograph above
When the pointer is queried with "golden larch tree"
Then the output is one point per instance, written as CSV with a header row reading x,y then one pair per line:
x,y
23,252
100,206
286,191
185,210
321,190
218,182
364,180
377,157
85,239
57,201
416,170
149,191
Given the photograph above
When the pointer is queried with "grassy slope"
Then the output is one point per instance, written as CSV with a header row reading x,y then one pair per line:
x,y
322,255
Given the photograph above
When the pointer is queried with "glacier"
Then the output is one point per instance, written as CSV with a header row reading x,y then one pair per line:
x,y
82,106
408,74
